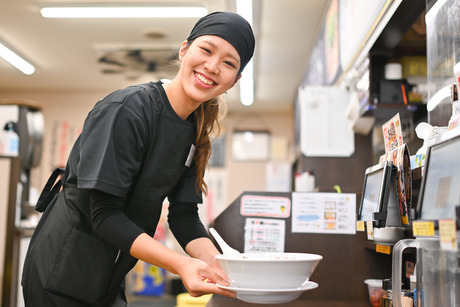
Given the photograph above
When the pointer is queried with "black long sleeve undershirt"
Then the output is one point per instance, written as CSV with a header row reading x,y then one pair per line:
x,y
184,222
111,223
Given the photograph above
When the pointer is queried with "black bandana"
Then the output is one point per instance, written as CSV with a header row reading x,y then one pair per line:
x,y
231,27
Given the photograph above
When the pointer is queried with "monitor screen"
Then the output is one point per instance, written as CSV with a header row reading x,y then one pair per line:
x,y
440,190
371,195
375,193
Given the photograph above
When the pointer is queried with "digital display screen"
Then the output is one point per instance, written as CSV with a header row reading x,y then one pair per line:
x,y
370,201
441,188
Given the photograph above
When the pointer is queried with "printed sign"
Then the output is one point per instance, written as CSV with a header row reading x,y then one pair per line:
x,y
324,213
269,206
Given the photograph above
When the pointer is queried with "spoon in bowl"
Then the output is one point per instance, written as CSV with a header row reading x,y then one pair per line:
x,y
226,249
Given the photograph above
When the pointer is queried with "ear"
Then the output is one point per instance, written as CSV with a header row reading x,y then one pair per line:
x,y
183,50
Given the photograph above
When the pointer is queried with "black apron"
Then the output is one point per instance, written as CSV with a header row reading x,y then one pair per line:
x,y
67,264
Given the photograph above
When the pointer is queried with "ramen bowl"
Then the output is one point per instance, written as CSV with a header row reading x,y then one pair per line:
x,y
269,270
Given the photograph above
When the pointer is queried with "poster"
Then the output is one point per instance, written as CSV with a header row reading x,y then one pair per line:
x,y
324,213
268,206
392,133
264,235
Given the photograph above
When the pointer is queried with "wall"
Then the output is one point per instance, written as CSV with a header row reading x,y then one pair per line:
x,y
251,176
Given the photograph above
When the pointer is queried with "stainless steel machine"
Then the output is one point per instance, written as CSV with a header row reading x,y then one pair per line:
x,y
21,134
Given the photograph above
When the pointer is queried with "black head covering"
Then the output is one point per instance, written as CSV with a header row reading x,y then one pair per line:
x,y
231,27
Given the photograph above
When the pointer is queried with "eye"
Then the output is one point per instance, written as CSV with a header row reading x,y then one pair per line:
x,y
230,64
206,50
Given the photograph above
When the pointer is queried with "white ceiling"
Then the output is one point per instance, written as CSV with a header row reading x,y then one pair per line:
x,y
66,51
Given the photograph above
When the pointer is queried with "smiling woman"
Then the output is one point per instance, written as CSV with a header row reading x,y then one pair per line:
x,y
138,146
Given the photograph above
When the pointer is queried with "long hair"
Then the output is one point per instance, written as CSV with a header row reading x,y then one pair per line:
x,y
207,117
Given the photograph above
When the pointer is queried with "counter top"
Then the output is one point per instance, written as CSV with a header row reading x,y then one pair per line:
x,y
223,301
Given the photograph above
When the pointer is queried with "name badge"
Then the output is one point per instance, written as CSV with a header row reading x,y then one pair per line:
x,y
191,154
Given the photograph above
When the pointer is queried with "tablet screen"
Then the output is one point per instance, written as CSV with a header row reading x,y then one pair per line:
x,y
371,195
440,192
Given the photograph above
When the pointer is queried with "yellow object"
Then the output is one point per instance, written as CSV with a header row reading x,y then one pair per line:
x,y
413,66
185,300
423,228
384,249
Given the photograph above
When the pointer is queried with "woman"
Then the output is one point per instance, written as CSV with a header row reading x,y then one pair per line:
x,y
138,146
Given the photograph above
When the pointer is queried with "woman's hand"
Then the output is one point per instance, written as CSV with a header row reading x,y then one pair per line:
x,y
199,278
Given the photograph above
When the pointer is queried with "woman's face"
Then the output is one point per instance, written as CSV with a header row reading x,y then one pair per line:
x,y
209,67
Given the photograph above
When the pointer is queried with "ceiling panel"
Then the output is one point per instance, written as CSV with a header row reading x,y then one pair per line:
x,y
66,51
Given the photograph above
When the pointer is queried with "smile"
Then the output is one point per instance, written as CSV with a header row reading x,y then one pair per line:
x,y
204,79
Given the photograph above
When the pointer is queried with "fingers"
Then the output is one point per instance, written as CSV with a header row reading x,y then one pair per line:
x,y
199,278
219,279
206,288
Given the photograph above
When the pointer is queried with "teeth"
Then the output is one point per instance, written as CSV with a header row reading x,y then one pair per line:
x,y
203,79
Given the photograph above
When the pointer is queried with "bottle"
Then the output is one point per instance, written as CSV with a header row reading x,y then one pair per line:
x,y
387,297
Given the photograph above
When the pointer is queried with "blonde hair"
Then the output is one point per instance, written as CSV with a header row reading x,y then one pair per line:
x,y
207,117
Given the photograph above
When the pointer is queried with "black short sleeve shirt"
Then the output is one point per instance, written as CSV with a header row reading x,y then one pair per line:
x,y
136,147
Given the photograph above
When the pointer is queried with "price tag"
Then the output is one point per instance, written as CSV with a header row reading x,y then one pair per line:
x,y
423,228
384,249
360,226
448,234
370,230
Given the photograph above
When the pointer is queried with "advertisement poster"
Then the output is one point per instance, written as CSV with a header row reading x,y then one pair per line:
x,y
392,134
324,213
264,235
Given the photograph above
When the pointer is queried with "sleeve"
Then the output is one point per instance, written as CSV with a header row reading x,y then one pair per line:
x,y
110,221
112,142
185,190
185,223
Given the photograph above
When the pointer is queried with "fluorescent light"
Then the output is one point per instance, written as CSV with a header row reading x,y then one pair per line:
x,y
244,8
123,12
15,60
247,85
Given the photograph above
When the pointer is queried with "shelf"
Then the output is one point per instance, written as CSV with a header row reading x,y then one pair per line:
x,y
386,111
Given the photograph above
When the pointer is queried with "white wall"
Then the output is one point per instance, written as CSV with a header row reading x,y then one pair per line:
x,y
251,176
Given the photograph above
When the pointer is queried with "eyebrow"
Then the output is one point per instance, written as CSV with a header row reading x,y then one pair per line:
x,y
215,46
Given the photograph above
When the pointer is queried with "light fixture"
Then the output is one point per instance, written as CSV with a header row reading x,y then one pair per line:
x,y
11,57
247,85
63,11
244,8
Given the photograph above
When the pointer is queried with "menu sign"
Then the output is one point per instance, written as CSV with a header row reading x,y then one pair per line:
x,y
324,213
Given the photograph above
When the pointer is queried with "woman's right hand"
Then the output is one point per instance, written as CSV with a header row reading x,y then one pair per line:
x,y
199,278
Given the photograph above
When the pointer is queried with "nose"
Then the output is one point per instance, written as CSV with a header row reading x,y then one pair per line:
x,y
212,65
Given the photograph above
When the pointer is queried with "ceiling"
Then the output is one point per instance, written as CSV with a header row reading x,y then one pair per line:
x,y
85,54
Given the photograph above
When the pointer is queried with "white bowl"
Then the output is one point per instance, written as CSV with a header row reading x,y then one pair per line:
x,y
388,234
269,270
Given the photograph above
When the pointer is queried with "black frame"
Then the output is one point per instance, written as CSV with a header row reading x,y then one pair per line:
x,y
423,187
380,215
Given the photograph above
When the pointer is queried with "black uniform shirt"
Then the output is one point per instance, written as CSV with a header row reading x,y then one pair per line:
x,y
136,149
